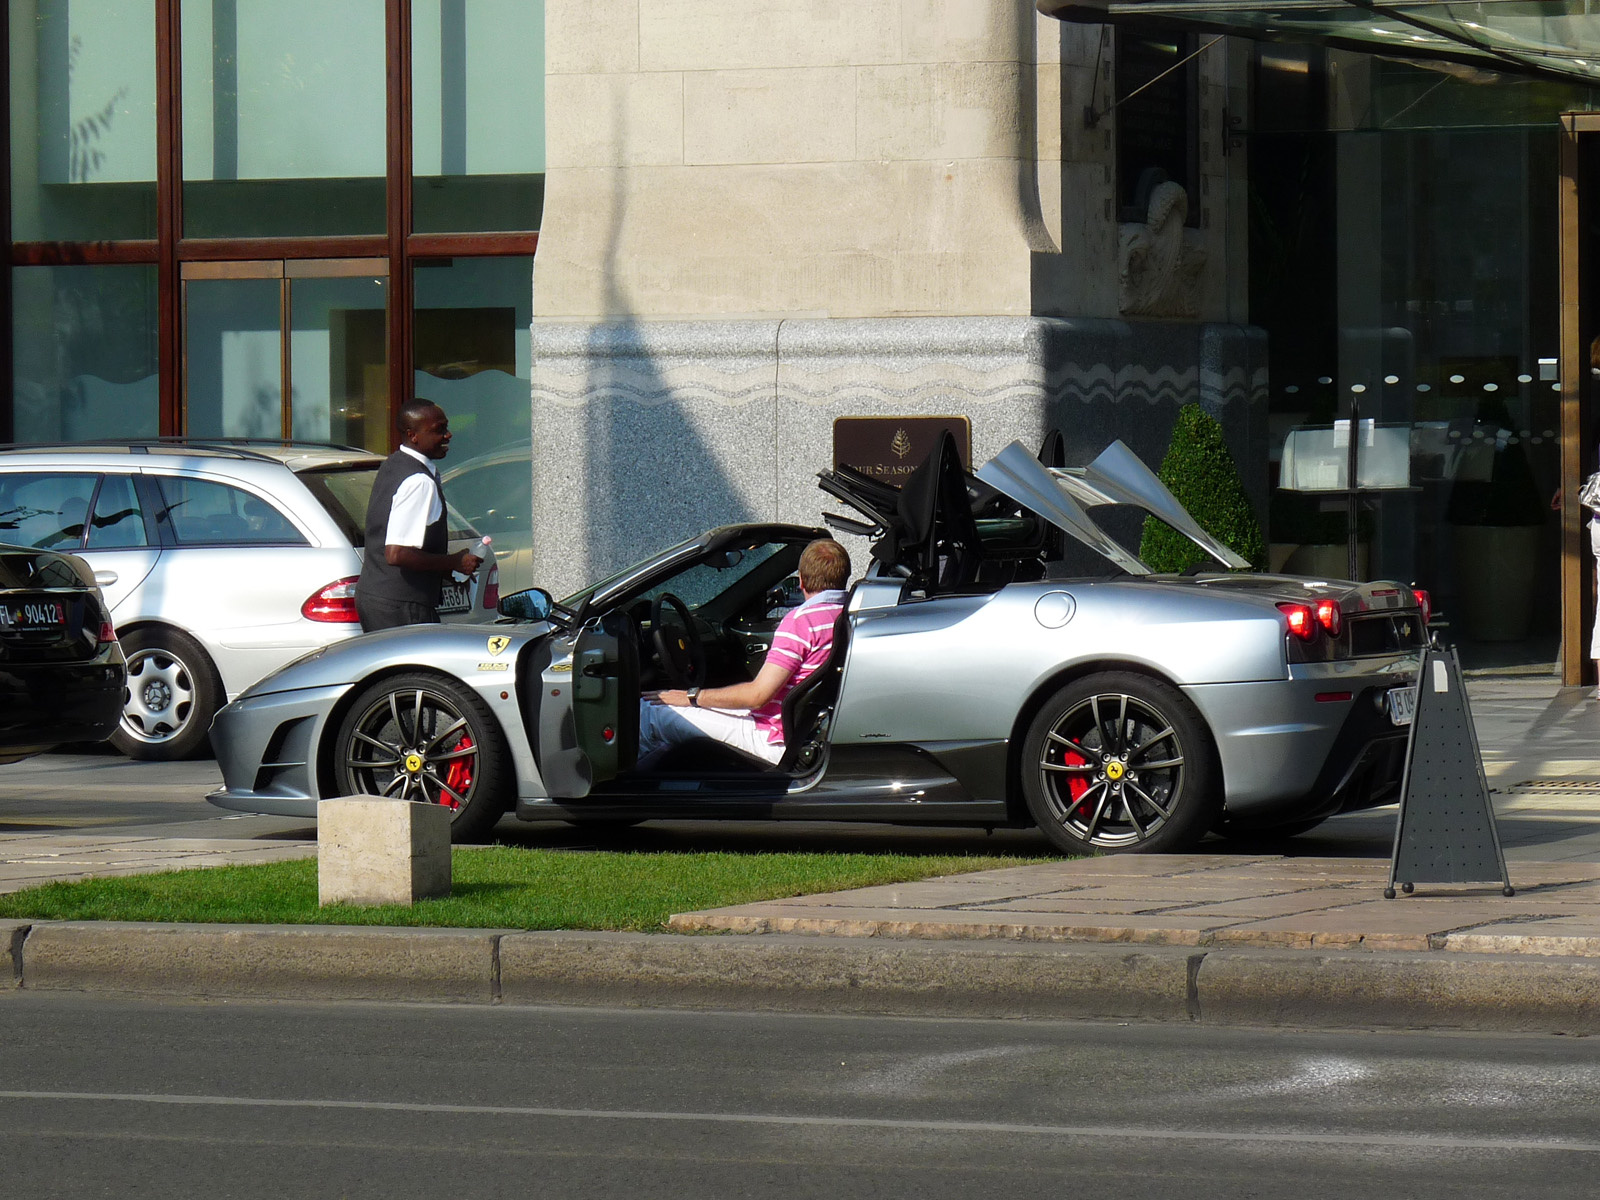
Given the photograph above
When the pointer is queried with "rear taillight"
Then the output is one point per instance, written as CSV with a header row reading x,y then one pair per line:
x,y
1424,602
1302,621
491,590
108,633
1329,616
335,603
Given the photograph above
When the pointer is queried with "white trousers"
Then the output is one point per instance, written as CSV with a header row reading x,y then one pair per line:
x,y
661,727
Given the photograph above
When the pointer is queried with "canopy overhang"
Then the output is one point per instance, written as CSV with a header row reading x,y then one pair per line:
x,y
1557,39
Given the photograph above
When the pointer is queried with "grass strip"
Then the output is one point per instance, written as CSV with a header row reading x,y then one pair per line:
x,y
500,887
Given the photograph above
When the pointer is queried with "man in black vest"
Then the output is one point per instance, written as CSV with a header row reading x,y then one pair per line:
x,y
407,552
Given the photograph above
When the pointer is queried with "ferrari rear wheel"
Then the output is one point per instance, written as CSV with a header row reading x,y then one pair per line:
x,y
1120,762
423,737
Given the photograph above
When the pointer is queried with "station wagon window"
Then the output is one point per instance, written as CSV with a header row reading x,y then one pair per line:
x,y
118,521
202,512
44,510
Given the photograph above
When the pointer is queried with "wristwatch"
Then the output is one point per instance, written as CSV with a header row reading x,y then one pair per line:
x,y
694,697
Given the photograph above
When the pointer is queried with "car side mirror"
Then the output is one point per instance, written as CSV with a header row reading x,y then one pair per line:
x,y
534,604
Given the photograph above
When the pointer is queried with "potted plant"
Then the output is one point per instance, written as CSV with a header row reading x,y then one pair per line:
x,y
1201,473
1495,520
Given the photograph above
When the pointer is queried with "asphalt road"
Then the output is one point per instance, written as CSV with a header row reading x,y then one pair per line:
x,y
242,1100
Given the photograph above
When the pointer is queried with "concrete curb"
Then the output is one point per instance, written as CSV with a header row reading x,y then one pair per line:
x,y
798,973
810,974
302,962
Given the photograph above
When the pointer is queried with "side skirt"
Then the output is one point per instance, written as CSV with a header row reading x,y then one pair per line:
x,y
901,784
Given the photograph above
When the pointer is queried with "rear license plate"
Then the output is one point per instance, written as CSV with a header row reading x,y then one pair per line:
x,y
1402,702
455,597
32,614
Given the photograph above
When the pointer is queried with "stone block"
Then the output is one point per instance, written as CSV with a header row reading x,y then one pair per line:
x,y
749,116
376,851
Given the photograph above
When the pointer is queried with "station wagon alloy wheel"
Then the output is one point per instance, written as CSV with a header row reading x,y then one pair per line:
x,y
1119,762
172,694
423,738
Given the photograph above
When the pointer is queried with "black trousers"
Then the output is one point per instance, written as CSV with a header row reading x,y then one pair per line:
x,y
379,612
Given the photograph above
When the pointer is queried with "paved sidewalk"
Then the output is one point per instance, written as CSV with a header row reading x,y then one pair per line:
x,y
1268,902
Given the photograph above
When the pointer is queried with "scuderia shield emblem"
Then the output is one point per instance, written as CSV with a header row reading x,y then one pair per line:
x,y
497,644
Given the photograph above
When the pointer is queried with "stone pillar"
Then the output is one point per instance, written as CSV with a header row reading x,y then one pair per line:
x,y
376,851
764,214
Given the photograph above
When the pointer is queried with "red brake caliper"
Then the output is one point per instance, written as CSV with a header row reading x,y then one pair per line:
x,y
458,775
1077,785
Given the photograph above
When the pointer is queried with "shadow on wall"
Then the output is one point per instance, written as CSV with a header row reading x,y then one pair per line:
x,y
644,443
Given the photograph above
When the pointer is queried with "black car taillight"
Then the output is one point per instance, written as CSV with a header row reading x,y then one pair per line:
x,y
335,603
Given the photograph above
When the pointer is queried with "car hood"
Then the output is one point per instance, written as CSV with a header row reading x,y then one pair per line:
x,y
454,648
1062,496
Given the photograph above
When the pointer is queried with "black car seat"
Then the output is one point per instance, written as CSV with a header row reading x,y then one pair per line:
x,y
808,708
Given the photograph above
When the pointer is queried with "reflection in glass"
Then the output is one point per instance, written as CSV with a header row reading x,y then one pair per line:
x,y
83,120
472,348
283,117
234,365
84,352
477,103
338,379
472,359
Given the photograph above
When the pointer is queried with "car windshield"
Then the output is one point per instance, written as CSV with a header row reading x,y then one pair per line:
x,y
578,598
345,493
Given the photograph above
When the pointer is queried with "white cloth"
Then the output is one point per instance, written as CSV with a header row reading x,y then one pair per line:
x,y
1594,546
416,504
662,727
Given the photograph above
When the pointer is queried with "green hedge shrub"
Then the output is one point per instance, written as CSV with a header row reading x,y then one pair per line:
x,y
1200,472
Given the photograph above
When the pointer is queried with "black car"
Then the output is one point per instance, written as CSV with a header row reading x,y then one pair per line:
x,y
62,675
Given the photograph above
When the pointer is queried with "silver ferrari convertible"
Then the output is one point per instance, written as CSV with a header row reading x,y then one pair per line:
x,y
1004,660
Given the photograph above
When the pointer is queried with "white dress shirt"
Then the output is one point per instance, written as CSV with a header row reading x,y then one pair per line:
x,y
416,504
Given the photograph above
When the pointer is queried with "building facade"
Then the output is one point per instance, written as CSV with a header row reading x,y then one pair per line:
x,y
753,217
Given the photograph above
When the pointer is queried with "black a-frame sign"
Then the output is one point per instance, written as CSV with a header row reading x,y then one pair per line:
x,y
1446,831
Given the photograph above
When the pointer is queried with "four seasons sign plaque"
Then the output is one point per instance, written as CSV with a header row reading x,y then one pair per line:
x,y
890,448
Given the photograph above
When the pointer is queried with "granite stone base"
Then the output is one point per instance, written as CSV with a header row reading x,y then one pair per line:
x,y
645,433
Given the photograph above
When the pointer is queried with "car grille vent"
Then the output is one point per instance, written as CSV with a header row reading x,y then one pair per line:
x,y
1385,633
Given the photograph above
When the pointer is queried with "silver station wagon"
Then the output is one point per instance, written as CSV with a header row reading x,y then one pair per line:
x,y
219,561
1004,661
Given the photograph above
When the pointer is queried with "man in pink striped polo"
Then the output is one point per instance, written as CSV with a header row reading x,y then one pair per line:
x,y
749,716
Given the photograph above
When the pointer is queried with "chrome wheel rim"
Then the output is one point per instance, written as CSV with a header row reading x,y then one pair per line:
x,y
1111,769
158,702
413,744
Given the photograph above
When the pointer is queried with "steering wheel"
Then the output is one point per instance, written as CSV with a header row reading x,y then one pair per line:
x,y
678,649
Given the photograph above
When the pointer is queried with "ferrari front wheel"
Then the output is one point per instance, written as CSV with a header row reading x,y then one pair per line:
x,y
423,737
1120,762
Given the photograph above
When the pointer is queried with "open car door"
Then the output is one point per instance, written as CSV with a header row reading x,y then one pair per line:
x,y
589,706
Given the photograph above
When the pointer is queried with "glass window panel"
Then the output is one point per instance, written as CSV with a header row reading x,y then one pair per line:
x,y
234,357
46,510
472,349
202,512
83,120
477,103
283,117
338,374
118,522
84,353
